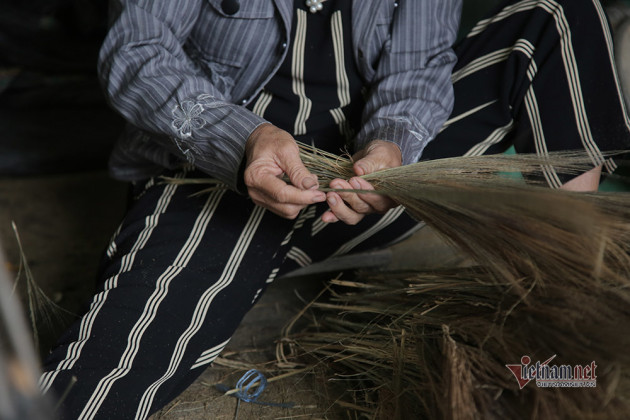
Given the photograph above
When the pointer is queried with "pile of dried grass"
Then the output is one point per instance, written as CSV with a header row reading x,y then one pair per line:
x,y
435,345
552,279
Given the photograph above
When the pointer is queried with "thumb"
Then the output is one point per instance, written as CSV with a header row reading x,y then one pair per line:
x,y
364,166
373,161
298,174
378,155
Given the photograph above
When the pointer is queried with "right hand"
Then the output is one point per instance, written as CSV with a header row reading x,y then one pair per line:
x,y
270,153
350,208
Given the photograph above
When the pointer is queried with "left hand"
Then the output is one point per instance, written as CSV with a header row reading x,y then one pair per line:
x,y
350,208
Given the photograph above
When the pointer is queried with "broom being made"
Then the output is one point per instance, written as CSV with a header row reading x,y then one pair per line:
x,y
482,205
550,278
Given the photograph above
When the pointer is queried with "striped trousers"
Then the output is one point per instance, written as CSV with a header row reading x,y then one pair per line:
x,y
182,271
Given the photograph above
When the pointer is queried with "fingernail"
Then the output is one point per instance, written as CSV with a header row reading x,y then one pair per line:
x,y
318,198
355,184
332,200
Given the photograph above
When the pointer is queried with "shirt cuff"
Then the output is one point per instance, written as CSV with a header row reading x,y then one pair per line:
x,y
411,141
212,137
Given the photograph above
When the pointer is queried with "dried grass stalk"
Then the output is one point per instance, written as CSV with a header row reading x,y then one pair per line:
x,y
42,311
435,345
19,366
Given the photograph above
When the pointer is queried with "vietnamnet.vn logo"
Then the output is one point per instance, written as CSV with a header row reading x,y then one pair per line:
x,y
554,376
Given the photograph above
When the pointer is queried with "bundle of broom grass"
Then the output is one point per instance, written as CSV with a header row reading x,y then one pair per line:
x,y
551,277
482,205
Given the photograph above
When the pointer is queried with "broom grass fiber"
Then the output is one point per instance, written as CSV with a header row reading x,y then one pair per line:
x,y
550,277
41,310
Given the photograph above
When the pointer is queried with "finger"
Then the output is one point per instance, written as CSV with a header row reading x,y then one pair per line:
x,y
286,210
369,164
353,199
341,211
380,203
283,193
293,166
329,217
364,166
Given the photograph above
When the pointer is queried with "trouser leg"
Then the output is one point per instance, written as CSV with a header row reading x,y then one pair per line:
x,y
539,75
178,278
180,275
314,241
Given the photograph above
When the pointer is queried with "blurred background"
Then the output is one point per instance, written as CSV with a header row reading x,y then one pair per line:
x,y
52,112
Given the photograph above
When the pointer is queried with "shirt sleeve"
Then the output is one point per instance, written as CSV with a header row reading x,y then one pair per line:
x,y
150,80
411,95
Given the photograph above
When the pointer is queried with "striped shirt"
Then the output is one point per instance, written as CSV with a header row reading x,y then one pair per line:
x,y
180,73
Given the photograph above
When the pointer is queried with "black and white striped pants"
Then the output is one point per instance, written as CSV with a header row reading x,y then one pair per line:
x,y
182,271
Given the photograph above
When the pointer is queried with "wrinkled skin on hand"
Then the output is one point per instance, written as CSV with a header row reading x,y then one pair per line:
x,y
270,153
351,208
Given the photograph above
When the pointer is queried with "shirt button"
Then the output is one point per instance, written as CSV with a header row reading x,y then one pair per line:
x,y
284,46
244,101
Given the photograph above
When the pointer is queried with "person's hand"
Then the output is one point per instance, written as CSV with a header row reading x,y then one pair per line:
x,y
350,208
270,153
